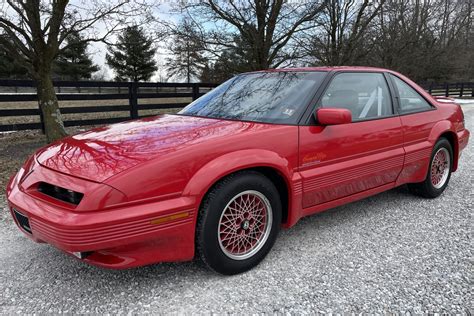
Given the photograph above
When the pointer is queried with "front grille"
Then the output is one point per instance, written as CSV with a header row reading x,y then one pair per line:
x,y
22,221
59,193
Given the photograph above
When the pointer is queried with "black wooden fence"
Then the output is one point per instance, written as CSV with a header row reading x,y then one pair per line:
x,y
88,91
448,89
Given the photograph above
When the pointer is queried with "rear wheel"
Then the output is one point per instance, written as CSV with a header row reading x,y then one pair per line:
x,y
238,222
439,171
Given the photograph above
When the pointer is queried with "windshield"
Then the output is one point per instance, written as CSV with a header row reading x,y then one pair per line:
x,y
268,97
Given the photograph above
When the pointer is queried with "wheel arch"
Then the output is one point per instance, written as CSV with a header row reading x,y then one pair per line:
x,y
282,186
445,129
269,164
453,140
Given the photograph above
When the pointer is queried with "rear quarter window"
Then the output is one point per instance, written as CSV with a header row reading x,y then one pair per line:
x,y
409,99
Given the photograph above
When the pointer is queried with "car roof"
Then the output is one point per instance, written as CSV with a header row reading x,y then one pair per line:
x,y
327,68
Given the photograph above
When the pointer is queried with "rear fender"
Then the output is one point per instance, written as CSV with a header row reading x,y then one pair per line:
x,y
446,127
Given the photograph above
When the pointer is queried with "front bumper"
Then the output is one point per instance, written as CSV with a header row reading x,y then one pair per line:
x,y
121,237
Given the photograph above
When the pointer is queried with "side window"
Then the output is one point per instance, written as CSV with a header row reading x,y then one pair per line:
x,y
366,95
410,100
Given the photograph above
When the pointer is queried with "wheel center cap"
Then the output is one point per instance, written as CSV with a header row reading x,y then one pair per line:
x,y
245,225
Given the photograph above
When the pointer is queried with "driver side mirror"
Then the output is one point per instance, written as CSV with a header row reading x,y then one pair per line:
x,y
333,116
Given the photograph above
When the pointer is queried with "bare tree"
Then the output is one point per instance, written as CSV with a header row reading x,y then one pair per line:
x,y
266,26
36,31
340,37
425,39
187,51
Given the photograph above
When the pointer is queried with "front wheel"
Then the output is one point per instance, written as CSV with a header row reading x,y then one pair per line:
x,y
238,222
439,171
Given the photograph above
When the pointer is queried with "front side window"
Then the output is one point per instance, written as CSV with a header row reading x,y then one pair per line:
x,y
410,100
366,95
268,97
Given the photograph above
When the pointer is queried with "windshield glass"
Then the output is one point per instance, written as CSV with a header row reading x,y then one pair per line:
x,y
269,97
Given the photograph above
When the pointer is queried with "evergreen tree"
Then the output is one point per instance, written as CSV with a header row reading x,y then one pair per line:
x,y
132,57
73,63
187,49
9,67
231,61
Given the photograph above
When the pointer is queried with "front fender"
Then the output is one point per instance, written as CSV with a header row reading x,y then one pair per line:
x,y
228,163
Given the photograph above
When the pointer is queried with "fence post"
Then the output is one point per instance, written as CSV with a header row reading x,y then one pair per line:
x,y
133,99
461,91
43,130
447,89
195,91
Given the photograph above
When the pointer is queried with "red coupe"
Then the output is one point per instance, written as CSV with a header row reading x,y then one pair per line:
x,y
219,179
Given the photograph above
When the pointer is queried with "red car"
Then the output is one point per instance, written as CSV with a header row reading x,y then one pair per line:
x,y
219,179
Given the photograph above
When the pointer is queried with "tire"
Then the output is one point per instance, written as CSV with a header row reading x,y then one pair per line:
x,y
222,222
439,171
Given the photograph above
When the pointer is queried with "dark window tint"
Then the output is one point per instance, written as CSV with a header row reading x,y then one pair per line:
x,y
410,100
366,95
271,97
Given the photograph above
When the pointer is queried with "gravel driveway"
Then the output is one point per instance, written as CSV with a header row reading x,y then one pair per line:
x,y
390,252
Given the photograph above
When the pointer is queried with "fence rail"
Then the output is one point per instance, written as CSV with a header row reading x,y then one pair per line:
x,y
95,91
25,91
449,89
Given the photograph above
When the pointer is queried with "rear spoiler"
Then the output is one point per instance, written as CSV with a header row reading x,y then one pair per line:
x,y
444,99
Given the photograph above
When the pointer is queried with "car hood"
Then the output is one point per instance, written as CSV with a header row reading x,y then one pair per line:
x,y
99,154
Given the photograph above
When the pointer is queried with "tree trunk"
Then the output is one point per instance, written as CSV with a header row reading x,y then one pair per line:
x,y
188,66
48,103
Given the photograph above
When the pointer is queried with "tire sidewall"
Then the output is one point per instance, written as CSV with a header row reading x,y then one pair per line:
x,y
208,236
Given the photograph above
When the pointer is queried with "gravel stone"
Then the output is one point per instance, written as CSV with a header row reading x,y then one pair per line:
x,y
393,252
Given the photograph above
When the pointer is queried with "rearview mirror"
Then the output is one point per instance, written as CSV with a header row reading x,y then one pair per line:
x,y
333,116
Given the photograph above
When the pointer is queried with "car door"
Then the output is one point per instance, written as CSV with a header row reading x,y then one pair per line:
x,y
418,118
336,161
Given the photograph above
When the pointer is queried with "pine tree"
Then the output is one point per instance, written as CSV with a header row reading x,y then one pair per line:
x,y
132,57
231,61
9,67
73,63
